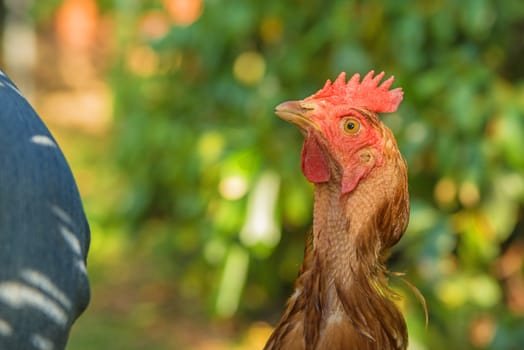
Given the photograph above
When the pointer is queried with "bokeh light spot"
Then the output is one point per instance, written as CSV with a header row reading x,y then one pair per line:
x,y
271,29
76,23
184,12
210,146
261,226
484,291
445,191
233,187
249,68
452,293
142,61
482,331
154,24
469,194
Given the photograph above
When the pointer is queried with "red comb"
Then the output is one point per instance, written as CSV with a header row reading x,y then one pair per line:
x,y
366,94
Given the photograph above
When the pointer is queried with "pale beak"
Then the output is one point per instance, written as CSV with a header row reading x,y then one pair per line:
x,y
296,113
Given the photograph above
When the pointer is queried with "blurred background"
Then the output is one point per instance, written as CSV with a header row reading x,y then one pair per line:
x,y
193,187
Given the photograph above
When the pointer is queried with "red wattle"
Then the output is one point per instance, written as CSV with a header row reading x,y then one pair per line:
x,y
314,164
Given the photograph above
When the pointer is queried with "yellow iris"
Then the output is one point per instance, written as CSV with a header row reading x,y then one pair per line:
x,y
350,125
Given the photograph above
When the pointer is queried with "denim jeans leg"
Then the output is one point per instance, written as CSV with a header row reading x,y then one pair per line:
x,y
44,234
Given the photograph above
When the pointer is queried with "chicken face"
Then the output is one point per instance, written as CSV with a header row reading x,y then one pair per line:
x,y
342,132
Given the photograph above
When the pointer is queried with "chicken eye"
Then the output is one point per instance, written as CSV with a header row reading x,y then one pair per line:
x,y
350,125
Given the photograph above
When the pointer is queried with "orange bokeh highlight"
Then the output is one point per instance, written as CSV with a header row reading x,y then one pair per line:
x,y
76,24
184,12
154,24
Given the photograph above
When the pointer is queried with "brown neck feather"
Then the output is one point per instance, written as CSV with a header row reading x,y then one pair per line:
x,y
353,235
341,297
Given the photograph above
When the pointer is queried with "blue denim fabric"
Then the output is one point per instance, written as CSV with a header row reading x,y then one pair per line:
x,y
44,234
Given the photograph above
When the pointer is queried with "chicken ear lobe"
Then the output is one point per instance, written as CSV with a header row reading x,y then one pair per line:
x,y
314,163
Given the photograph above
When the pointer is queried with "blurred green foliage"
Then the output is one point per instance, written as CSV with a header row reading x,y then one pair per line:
x,y
214,176
196,136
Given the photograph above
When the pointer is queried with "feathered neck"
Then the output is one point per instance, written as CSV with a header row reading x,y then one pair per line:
x,y
352,235
341,298
350,254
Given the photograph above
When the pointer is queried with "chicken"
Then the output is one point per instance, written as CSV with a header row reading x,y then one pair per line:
x,y
361,209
